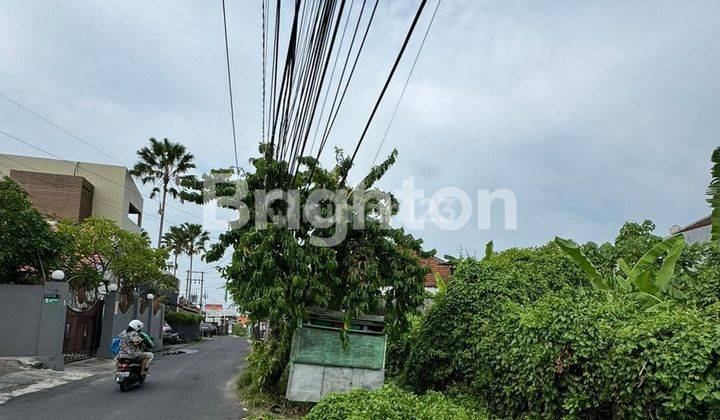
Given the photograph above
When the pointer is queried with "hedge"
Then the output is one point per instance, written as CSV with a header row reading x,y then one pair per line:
x,y
183,318
580,354
389,402
441,353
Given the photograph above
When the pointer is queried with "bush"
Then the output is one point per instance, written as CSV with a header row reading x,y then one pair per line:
x,y
441,352
183,318
239,330
579,354
389,402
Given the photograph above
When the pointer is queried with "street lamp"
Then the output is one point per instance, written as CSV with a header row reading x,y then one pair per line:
x,y
150,296
57,275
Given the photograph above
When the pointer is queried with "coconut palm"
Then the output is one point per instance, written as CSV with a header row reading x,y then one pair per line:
x,y
175,241
160,164
195,238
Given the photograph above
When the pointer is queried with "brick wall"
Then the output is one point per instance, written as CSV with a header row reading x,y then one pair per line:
x,y
58,197
437,266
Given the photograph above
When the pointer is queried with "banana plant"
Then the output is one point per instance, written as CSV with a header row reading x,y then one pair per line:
x,y
644,281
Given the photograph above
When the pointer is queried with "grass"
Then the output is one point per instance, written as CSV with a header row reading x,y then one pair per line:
x,y
262,406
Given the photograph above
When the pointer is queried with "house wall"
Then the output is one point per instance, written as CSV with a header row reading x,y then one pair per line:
x,y
37,327
114,188
701,234
59,197
114,321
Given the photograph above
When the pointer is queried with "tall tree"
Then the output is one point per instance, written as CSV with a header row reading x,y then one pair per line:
x,y
160,164
195,240
175,242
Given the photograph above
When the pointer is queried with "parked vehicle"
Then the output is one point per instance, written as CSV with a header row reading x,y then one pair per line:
x,y
207,329
127,373
171,337
174,338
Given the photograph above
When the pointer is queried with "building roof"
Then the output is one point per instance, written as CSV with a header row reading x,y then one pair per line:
x,y
437,266
705,221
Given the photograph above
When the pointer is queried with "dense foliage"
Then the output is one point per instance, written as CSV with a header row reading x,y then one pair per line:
x,y
29,248
390,402
529,334
278,273
99,250
441,354
182,318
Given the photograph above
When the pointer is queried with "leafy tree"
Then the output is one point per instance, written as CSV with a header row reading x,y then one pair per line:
x,y
160,164
278,274
174,241
101,251
29,248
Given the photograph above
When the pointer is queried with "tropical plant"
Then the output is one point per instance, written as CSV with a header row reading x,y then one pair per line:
x,y
645,281
175,241
279,275
195,240
29,248
160,164
101,251
713,193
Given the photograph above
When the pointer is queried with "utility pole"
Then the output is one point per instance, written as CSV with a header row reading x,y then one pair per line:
x,y
202,284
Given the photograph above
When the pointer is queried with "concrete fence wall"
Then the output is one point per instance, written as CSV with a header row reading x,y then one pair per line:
x,y
37,322
114,321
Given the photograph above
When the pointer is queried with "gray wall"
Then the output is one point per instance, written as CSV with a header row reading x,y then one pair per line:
x,y
37,328
114,321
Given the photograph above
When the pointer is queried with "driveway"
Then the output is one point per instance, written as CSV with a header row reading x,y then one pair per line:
x,y
195,385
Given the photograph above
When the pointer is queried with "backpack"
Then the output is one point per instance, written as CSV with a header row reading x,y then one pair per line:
x,y
115,346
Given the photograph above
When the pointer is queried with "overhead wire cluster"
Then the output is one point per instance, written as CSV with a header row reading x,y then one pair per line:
x,y
306,89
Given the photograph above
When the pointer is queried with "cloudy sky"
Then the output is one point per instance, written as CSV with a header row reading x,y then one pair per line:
x,y
591,113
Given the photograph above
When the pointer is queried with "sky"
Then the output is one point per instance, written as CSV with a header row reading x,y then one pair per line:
x,y
590,113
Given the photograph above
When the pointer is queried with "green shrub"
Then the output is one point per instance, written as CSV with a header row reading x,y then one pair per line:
x,y
389,402
441,352
239,330
183,318
582,354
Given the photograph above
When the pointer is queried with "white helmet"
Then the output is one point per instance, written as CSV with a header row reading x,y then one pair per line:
x,y
136,325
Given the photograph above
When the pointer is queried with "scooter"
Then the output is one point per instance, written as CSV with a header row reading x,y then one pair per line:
x,y
128,373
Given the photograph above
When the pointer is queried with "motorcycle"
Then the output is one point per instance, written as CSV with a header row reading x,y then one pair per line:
x,y
128,373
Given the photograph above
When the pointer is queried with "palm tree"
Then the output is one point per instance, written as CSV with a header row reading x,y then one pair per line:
x,y
195,238
175,242
159,164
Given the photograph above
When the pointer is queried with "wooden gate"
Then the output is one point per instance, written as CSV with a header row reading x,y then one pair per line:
x,y
82,332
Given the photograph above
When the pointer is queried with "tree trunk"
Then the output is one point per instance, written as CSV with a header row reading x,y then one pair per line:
x,y
162,214
175,266
189,278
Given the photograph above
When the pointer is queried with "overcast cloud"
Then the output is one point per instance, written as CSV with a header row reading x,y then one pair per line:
x,y
592,113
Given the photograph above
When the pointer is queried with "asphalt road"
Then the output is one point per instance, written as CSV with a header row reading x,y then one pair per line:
x,y
194,386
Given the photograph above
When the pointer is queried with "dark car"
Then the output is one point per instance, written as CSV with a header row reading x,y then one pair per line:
x,y
207,329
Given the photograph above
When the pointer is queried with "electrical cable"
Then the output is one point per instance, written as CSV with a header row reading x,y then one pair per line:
x,y
232,108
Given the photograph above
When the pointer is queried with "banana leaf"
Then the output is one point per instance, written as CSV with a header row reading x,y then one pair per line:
x,y
571,248
713,193
648,260
667,270
624,266
489,250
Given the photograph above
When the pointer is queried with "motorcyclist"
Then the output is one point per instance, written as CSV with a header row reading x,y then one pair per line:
x,y
132,343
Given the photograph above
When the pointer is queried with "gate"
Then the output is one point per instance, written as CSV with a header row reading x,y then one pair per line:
x,y
83,325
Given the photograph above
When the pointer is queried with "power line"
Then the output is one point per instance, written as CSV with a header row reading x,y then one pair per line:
x,y
232,108
402,93
387,83
68,132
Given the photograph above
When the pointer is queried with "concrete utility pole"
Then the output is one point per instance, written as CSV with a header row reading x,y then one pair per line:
x,y
192,279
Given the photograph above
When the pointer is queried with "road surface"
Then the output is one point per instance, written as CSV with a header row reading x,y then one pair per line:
x,y
194,386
